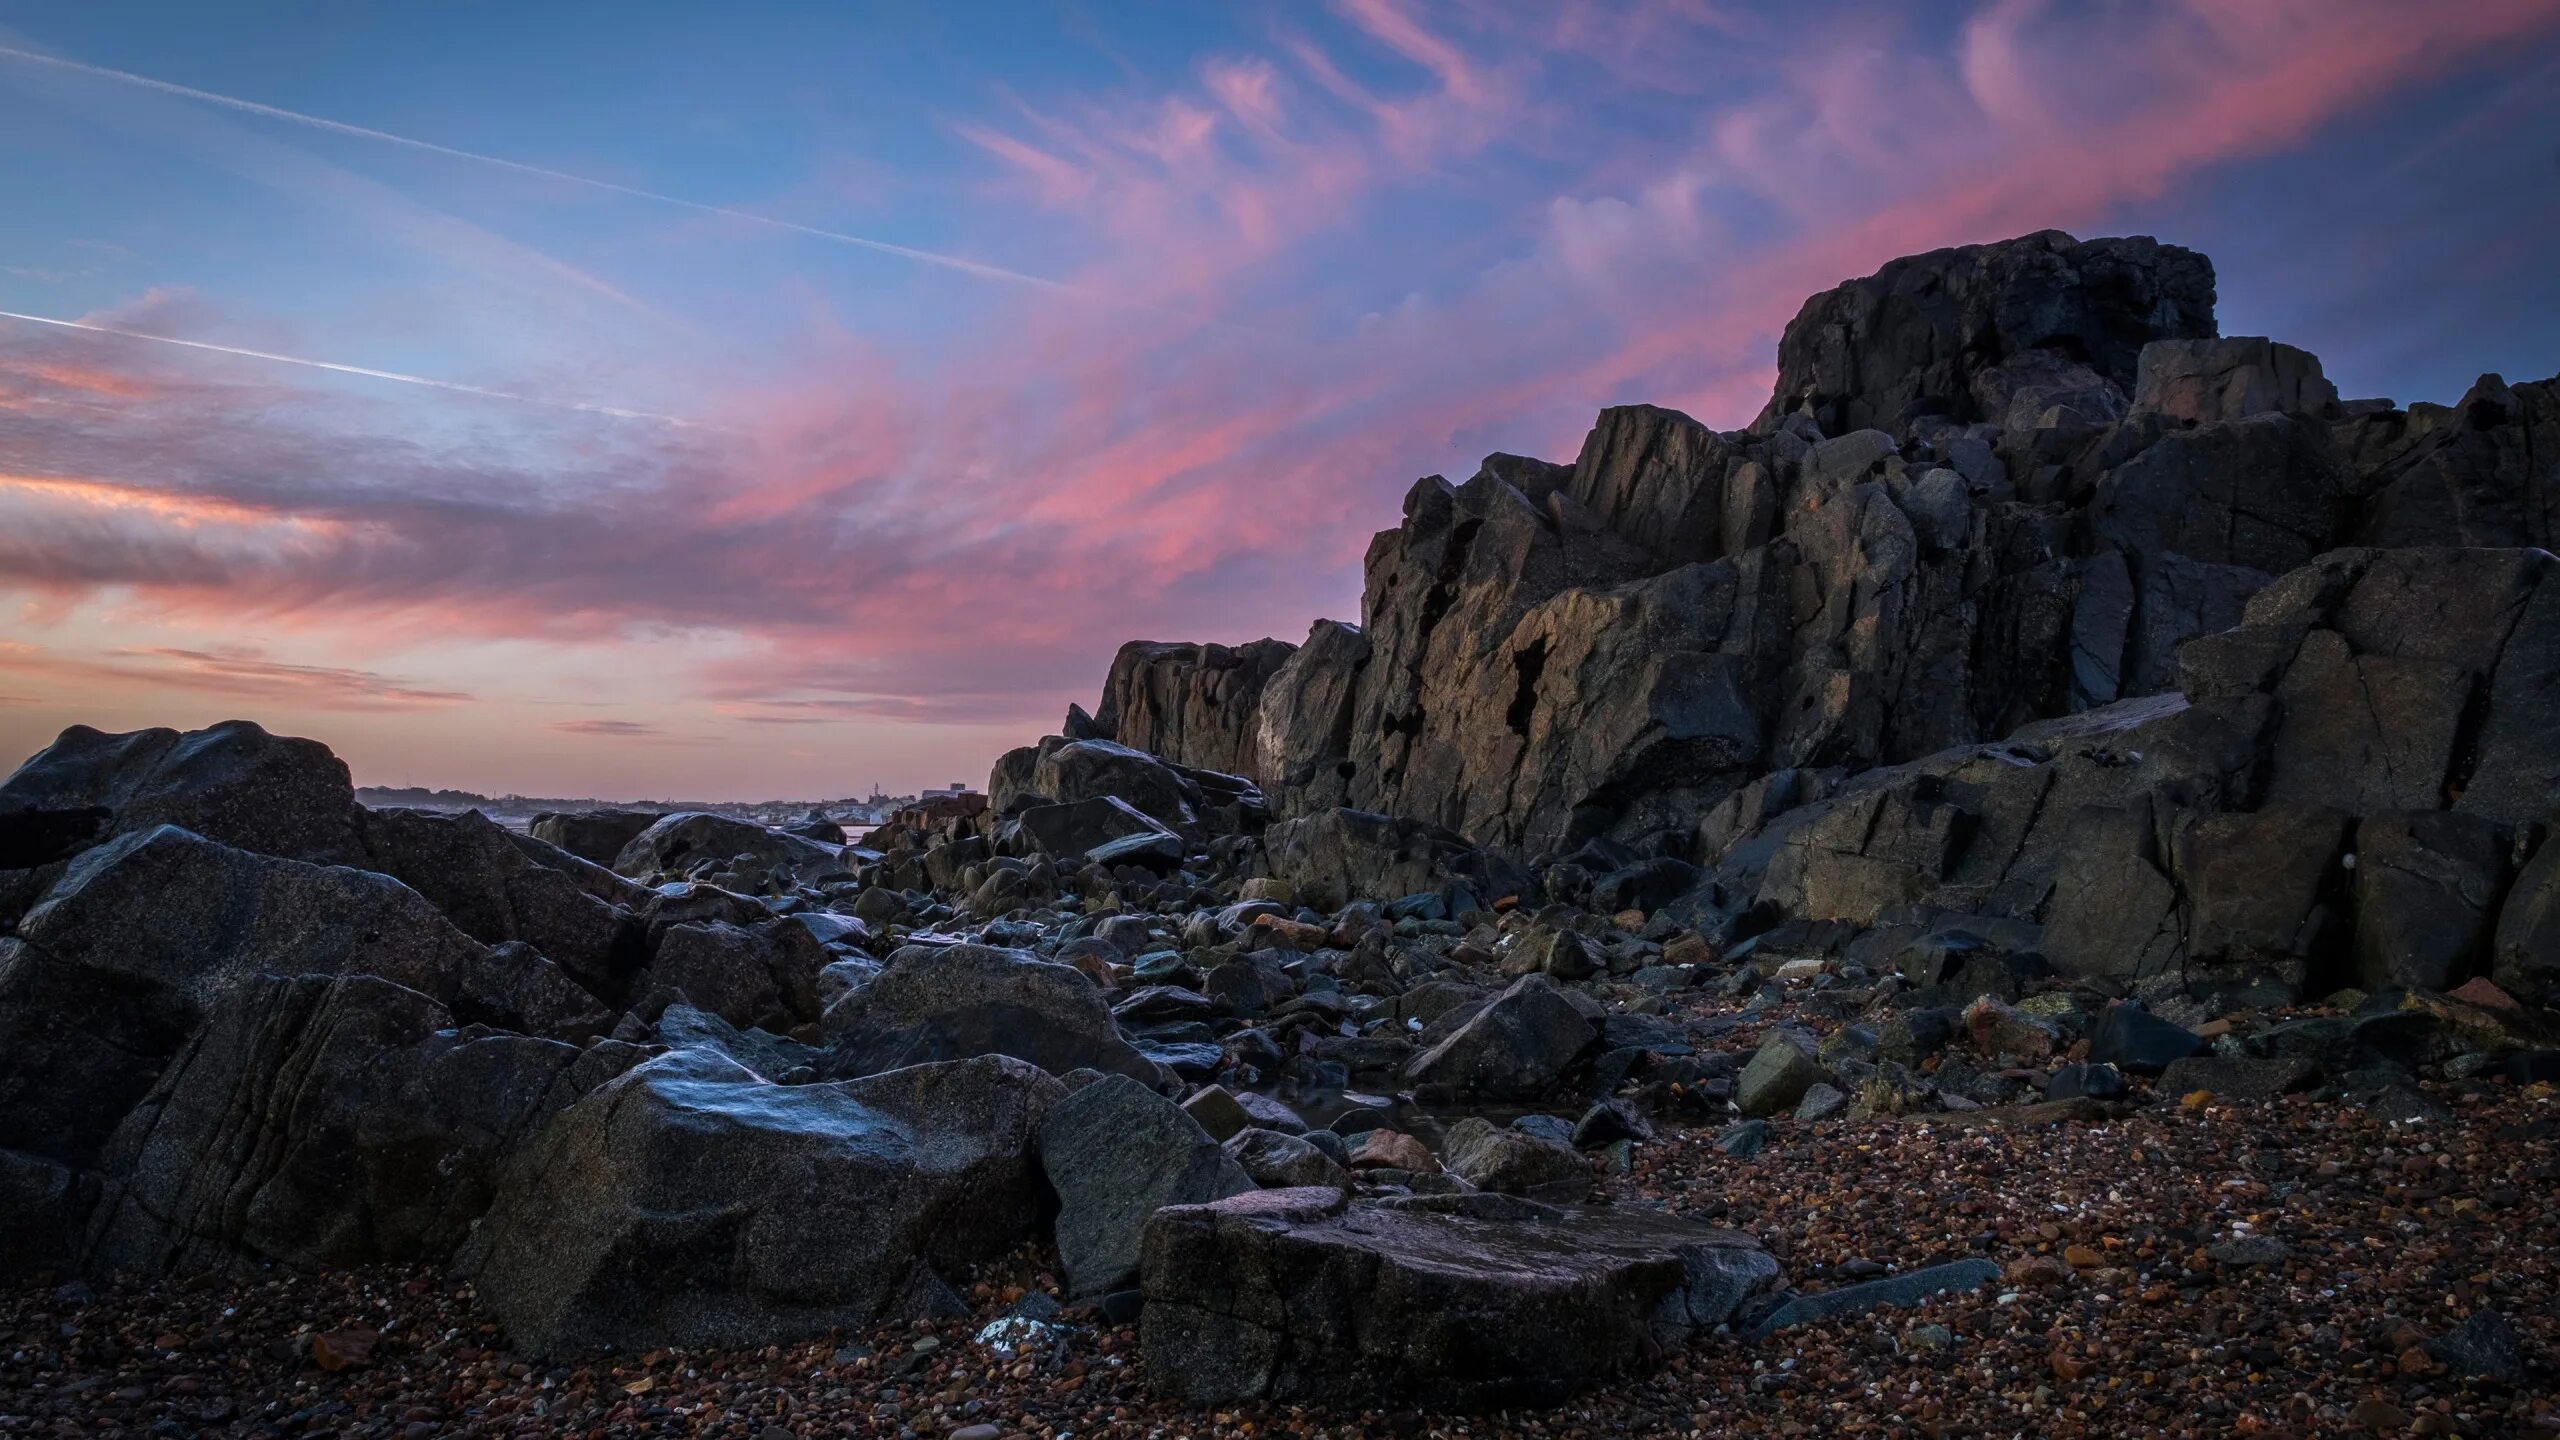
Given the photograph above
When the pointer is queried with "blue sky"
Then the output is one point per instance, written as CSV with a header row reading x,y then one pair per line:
x,y
1267,264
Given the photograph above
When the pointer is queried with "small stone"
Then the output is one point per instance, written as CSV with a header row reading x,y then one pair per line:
x,y
2081,1257
2039,1272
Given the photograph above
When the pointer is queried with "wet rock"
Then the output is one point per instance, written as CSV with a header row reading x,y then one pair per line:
x,y
1284,1162
688,1202
1117,1152
1301,1296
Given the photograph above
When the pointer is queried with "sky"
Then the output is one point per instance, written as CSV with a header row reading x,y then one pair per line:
x,y
783,400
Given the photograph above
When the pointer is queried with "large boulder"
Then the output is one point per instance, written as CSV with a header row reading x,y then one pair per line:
x,y
233,783
1469,1302
1517,1047
2202,381
1333,857
761,973
1116,1153
1103,830
327,1121
688,1202
932,1003
674,844
595,836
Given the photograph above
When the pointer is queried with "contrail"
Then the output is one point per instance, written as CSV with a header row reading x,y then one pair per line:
x,y
367,372
962,264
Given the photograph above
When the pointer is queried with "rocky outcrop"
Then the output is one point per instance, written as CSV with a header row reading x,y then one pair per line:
x,y
1194,705
1472,1302
1917,338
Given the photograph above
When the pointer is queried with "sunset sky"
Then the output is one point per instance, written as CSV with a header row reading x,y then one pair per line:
x,y
772,400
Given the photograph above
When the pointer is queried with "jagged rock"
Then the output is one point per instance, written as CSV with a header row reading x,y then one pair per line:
x,y
946,1003
674,844
327,1121
595,836
114,968
1116,1152
1195,705
2477,473
489,884
1517,1047
232,783
1470,1301
687,1202
1302,727
1909,340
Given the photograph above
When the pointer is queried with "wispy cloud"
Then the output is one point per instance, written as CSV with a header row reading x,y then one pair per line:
x,y
241,673
608,729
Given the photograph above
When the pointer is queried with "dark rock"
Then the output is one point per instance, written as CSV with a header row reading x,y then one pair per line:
x,y
2132,1038
2427,887
1196,705
1474,1301
44,1209
674,844
232,783
2095,1082
1517,1047
2485,1345
596,836
1276,1161
1779,1073
327,1122
1102,830
1116,1152
689,1203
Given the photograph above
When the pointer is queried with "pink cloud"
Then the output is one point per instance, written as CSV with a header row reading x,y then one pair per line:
x,y
965,545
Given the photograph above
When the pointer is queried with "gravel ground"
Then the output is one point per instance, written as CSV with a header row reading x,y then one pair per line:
x,y
2114,1319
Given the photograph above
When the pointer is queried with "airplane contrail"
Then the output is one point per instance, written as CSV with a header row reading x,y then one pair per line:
x,y
368,372
960,263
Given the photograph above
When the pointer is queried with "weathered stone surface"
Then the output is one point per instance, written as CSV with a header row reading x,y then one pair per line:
x,y
688,1202
764,973
1471,1302
949,1002
323,1121
492,886
1334,857
1116,1153
233,783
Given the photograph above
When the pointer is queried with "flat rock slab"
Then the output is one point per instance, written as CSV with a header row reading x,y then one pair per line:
x,y
1461,1301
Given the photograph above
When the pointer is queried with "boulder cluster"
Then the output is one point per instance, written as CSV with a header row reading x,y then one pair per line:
x,y
2043,704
